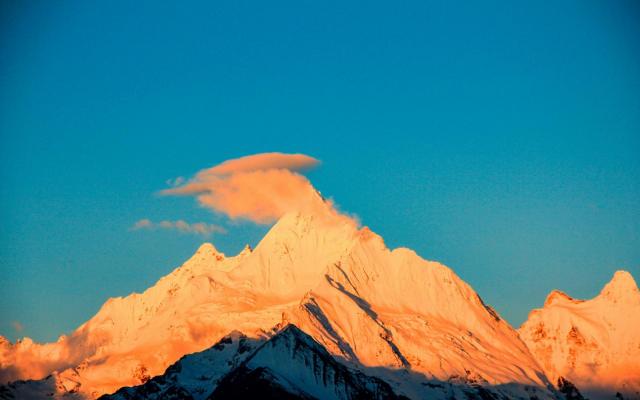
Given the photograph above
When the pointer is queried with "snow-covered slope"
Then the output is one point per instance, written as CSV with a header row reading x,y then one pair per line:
x,y
389,313
595,344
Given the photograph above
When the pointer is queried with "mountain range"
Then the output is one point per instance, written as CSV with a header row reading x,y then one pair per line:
x,y
323,309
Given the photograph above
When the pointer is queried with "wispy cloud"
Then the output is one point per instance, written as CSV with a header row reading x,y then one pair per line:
x,y
175,181
198,228
17,326
260,188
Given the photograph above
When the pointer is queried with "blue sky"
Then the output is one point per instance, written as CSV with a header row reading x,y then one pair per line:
x,y
500,138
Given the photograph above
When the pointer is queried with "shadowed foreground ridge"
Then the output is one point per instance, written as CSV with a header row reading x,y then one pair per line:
x,y
292,362
290,365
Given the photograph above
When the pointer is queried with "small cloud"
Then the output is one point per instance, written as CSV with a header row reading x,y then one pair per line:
x,y
175,181
143,223
198,228
17,326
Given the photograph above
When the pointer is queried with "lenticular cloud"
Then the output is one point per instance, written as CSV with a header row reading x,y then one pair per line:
x,y
264,161
260,188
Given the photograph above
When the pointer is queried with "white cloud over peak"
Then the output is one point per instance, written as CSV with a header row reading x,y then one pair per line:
x,y
198,228
260,188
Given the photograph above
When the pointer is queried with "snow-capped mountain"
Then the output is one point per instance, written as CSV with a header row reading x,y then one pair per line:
x,y
595,344
387,313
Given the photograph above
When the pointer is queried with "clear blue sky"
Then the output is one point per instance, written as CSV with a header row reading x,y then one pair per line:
x,y
501,138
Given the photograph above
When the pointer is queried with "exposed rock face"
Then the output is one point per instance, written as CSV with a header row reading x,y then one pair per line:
x,y
569,390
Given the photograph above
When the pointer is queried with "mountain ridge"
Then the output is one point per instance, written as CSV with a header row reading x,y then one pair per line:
x,y
376,310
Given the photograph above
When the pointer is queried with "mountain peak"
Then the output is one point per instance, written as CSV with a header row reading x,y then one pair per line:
x,y
207,248
205,256
557,296
322,224
246,250
621,286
